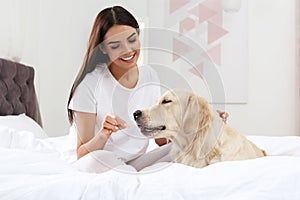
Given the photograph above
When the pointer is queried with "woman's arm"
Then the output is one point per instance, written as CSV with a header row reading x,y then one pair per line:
x,y
87,141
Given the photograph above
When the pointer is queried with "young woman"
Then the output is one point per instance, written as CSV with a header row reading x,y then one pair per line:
x,y
109,87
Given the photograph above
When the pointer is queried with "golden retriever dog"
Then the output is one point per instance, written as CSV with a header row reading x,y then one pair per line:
x,y
199,135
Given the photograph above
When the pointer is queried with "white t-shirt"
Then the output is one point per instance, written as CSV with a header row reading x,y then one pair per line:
x,y
100,93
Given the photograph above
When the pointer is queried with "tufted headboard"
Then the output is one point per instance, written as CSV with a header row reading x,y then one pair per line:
x,y
17,91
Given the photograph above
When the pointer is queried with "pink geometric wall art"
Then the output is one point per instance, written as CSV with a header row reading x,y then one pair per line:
x,y
223,38
205,45
177,4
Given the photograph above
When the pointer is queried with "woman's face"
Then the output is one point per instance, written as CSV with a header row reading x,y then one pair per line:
x,y
122,45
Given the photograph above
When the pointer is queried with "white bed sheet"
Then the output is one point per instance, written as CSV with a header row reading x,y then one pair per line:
x,y
33,168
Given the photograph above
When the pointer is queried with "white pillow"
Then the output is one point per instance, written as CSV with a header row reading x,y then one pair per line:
x,y
23,123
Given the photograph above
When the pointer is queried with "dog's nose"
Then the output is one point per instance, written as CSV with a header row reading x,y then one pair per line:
x,y
137,114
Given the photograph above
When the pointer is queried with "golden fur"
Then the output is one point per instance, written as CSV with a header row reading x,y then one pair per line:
x,y
198,134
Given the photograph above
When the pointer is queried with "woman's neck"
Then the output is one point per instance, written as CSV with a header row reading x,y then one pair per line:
x,y
126,77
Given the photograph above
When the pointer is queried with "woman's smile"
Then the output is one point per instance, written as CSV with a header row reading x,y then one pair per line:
x,y
128,58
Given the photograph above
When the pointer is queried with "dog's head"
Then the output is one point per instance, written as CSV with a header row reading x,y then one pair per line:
x,y
177,113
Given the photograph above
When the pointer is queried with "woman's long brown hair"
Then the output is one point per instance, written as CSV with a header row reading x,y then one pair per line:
x,y
107,18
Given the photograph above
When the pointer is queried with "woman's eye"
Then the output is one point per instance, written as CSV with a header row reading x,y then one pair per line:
x,y
165,101
132,40
115,47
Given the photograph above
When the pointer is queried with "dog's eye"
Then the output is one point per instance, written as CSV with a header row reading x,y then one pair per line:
x,y
165,101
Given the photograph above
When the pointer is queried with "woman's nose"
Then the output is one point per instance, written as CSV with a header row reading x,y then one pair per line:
x,y
126,48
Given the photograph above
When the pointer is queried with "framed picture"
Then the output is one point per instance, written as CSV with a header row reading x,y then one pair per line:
x,y
196,45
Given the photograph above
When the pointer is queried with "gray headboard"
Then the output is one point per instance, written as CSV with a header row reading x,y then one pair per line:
x,y
17,91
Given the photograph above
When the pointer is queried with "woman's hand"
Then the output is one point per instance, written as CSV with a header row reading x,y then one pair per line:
x,y
223,115
87,141
112,123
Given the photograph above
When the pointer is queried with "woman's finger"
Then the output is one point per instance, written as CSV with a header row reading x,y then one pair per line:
x,y
107,132
223,115
115,121
110,118
121,123
110,126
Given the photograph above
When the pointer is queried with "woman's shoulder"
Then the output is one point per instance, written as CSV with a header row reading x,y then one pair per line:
x,y
92,78
96,73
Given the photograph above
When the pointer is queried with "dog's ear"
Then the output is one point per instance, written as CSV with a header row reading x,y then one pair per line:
x,y
190,118
204,121
204,113
197,115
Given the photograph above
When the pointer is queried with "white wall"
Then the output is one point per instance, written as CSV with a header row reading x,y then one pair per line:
x,y
56,34
273,104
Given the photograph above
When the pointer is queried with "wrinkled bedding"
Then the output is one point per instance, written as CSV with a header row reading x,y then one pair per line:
x,y
32,168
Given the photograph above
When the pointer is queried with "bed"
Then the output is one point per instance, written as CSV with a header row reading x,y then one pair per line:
x,y
35,166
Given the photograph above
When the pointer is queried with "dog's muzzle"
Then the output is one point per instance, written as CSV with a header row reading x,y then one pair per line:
x,y
146,130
